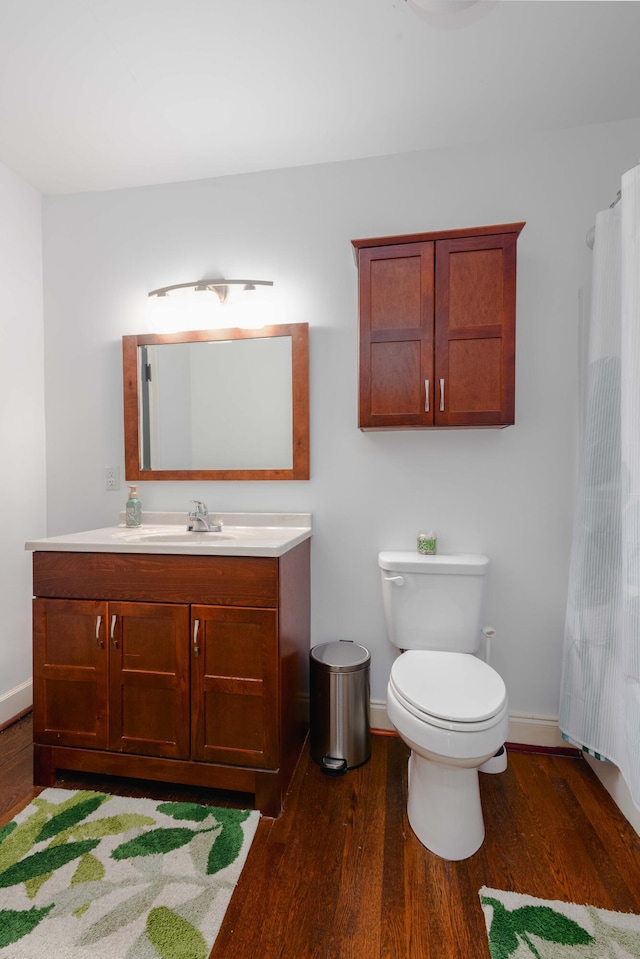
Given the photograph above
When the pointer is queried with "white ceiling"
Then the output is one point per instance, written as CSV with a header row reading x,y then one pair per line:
x,y
102,94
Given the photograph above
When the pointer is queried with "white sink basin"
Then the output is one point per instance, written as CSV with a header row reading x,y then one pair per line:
x,y
179,536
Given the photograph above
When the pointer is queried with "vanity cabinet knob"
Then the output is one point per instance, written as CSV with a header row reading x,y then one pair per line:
x,y
196,627
114,641
98,625
441,396
426,396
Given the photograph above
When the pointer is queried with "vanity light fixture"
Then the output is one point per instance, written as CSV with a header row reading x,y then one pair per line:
x,y
177,308
219,287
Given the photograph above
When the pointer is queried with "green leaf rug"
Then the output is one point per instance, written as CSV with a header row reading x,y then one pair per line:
x,y
520,927
86,874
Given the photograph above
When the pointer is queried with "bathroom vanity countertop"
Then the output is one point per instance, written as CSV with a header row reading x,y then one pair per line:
x,y
242,534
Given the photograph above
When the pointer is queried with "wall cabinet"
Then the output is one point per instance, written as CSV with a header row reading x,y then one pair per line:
x,y
180,668
437,329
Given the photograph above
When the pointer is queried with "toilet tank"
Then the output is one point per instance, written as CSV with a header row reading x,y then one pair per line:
x,y
433,602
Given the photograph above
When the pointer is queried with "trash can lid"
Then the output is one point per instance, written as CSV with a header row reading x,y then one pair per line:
x,y
342,656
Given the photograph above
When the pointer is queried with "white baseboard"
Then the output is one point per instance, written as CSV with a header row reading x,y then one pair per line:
x,y
378,715
535,731
524,730
16,701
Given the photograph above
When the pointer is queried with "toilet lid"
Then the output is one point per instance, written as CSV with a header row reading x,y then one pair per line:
x,y
453,686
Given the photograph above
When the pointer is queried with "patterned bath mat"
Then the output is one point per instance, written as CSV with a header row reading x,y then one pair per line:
x,y
86,874
520,927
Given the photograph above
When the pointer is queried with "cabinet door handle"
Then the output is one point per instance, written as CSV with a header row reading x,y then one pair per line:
x,y
196,627
441,396
98,625
426,396
114,641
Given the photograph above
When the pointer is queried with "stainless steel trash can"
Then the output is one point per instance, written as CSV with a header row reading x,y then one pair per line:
x,y
340,733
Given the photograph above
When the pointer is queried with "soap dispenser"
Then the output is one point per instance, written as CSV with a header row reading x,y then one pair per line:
x,y
133,511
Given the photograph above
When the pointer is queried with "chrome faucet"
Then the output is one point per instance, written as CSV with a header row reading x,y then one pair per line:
x,y
199,520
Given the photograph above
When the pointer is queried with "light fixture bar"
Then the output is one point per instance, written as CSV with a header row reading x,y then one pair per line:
x,y
216,286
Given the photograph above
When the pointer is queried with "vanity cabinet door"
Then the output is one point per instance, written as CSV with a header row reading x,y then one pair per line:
x,y
70,674
234,677
149,679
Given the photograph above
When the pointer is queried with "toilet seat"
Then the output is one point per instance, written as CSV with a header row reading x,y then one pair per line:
x,y
454,691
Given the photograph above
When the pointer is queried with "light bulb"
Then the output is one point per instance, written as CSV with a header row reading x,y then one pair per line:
x,y
250,307
183,310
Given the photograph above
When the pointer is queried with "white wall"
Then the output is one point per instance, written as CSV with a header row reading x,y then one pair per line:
x,y
508,493
22,477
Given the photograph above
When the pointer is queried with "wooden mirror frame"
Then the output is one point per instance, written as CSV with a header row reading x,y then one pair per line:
x,y
299,333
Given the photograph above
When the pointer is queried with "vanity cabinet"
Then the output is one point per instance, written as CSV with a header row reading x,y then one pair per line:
x,y
187,669
437,329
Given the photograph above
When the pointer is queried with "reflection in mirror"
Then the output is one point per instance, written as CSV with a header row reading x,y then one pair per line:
x,y
222,404
189,420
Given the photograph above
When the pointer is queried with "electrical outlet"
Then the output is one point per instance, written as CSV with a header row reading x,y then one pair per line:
x,y
112,477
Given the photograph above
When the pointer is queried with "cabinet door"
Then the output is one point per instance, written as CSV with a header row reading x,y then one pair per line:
x,y
149,679
70,673
475,330
396,335
235,685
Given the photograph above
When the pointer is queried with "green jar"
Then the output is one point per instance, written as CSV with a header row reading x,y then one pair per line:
x,y
428,543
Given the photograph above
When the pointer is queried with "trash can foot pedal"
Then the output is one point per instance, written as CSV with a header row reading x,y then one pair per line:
x,y
333,765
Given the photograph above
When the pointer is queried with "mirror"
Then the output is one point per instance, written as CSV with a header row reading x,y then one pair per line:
x,y
217,404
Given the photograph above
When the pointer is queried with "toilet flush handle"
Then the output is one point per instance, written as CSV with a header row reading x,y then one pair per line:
x,y
398,580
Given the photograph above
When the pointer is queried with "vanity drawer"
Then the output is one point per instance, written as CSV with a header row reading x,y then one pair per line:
x,y
153,578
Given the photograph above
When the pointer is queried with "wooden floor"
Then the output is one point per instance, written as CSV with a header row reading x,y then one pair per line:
x,y
340,875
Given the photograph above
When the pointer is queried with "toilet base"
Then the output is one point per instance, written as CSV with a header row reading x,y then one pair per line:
x,y
497,763
444,808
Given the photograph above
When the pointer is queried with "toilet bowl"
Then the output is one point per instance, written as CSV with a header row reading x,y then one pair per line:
x,y
451,710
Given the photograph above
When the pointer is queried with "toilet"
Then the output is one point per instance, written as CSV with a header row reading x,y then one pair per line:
x,y
449,706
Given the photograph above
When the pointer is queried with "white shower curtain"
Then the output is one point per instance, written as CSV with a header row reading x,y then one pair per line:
x,y
600,687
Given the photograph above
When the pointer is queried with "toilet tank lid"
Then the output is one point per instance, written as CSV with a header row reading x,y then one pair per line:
x,y
474,564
